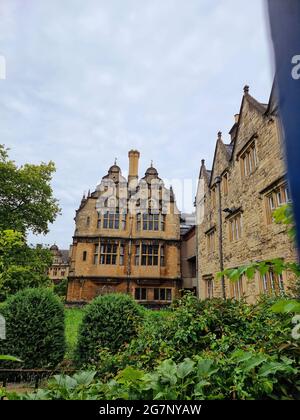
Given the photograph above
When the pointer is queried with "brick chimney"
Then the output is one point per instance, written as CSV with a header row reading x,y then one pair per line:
x,y
133,173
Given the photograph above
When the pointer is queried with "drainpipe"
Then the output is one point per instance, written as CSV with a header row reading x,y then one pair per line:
x,y
221,256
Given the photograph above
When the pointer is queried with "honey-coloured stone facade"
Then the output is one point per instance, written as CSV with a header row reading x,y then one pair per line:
x,y
246,183
127,239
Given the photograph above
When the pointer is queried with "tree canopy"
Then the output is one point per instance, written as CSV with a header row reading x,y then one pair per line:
x,y
26,196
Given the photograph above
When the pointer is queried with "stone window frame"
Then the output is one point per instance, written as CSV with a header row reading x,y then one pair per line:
x,y
209,286
143,257
154,222
211,240
237,289
272,200
272,283
112,220
111,252
141,293
248,158
162,294
96,254
235,226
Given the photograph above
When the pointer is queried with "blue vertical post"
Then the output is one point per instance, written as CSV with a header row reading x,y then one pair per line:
x,y
284,18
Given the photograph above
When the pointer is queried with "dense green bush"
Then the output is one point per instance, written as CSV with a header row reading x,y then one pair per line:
x,y
212,328
109,322
34,328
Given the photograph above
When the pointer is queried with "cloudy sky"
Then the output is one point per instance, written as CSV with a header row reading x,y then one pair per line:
x,y
88,80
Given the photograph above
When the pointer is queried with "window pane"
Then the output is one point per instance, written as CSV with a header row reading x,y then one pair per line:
x,y
156,294
144,294
137,294
162,294
169,294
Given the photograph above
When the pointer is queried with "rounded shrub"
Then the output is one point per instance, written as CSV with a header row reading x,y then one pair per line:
x,y
35,328
109,322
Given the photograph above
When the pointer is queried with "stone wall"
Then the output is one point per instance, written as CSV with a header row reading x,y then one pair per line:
x,y
259,239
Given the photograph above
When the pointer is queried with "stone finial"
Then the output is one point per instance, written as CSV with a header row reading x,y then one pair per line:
x,y
116,159
151,164
219,135
246,90
203,162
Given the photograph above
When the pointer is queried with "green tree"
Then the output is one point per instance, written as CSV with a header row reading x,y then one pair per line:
x,y
26,196
21,266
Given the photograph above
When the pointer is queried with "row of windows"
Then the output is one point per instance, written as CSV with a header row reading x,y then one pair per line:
x,y
148,221
57,271
145,221
234,233
278,197
142,293
112,253
270,283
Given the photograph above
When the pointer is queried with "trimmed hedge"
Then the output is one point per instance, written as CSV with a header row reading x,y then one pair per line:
x,y
35,328
109,322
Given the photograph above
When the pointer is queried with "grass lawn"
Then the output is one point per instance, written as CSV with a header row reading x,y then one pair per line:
x,y
73,319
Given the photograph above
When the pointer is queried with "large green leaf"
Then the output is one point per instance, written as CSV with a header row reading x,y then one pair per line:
x,y
10,358
185,368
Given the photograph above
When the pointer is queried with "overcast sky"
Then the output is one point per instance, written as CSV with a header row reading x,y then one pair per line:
x,y
88,80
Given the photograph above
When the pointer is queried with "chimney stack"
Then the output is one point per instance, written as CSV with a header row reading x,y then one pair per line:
x,y
133,173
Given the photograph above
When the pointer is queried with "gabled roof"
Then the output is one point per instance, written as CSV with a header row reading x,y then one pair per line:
x,y
227,152
205,173
260,107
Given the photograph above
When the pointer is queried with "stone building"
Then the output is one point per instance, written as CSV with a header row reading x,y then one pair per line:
x,y
59,269
235,201
127,239
188,254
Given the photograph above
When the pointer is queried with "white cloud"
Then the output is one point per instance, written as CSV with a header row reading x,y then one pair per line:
x,y
87,81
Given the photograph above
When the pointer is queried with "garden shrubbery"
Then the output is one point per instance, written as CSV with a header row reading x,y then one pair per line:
x,y
212,349
109,322
35,328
